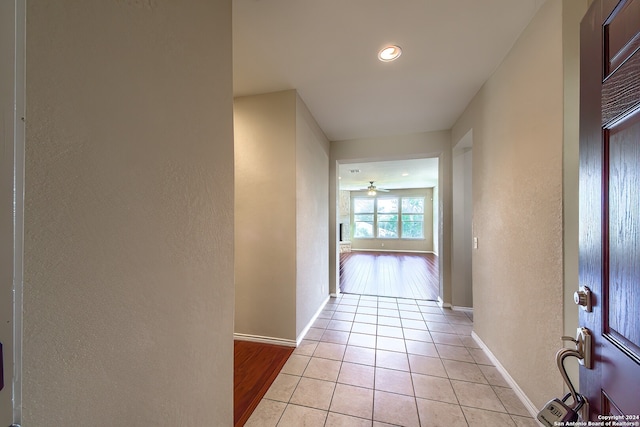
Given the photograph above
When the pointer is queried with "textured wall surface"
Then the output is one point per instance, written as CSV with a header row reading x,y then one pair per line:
x,y
461,275
282,261
128,302
412,146
265,159
517,122
11,103
312,217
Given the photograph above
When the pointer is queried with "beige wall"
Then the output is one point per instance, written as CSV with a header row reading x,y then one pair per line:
x,y
462,242
11,143
517,120
411,245
128,301
312,217
265,214
281,216
412,146
436,220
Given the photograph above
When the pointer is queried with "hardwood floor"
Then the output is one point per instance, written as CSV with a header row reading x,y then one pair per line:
x,y
256,366
390,274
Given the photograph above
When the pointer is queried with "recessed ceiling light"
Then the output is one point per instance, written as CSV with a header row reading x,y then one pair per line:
x,y
405,174
389,53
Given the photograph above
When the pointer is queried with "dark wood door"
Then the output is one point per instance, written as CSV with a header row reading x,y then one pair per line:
x,y
610,204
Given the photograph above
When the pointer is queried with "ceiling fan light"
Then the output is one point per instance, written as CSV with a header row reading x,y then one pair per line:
x,y
372,189
389,53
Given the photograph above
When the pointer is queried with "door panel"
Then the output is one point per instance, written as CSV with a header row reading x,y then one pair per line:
x,y
610,203
621,35
622,323
621,293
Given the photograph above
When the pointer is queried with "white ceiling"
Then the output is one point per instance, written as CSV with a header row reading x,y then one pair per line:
x,y
414,173
327,51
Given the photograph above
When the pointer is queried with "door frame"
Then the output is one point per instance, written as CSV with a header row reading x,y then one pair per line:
x,y
12,144
444,287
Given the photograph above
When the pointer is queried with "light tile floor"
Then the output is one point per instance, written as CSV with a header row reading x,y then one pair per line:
x,y
378,361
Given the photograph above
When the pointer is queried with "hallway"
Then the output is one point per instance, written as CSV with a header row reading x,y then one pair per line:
x,y
381,361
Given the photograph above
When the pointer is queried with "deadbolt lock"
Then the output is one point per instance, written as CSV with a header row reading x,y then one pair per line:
x,y
582,297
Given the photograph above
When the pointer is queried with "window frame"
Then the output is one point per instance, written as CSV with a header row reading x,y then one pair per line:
x,y
378,214
355,222
422,214
399,212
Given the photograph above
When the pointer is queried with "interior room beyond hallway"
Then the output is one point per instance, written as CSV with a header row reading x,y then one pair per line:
x,y
390,274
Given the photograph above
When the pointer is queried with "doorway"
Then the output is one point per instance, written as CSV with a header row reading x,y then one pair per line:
x,y
462,236
388,228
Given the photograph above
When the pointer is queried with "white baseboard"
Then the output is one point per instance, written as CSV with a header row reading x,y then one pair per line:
x,y
265,340
514,385
313,319
443,304
392,250
281,341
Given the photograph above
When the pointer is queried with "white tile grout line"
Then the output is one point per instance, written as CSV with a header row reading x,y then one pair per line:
x,y
514,386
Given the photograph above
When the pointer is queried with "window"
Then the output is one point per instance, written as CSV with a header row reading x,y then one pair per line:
x,y
412,217
388,217
363,213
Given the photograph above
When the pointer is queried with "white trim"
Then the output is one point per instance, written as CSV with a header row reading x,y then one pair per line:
x,y
463,309
528,404
282,341
264,340
313,319
443,304
390,250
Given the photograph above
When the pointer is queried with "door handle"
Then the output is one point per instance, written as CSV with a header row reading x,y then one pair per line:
x,y
584,343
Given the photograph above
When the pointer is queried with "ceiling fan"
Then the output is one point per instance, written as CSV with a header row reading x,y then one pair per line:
x,y
372,189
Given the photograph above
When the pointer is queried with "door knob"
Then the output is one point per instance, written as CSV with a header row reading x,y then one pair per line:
x,y
582,297
583,351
